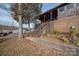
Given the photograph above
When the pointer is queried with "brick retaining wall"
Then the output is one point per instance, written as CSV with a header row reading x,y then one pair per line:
x,y
64,24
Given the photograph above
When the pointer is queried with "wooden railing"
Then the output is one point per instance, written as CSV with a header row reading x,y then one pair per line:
x,y
43,26
39,30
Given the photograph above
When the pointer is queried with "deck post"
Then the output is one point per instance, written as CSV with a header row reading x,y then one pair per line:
x,y
75,9
58,13
65,11
20,34
50,22
50,15
44,17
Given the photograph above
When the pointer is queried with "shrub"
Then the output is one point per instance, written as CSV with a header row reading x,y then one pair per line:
x,y
72,34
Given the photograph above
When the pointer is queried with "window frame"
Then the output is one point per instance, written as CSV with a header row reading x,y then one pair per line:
x,y
70,6
61,9
77,4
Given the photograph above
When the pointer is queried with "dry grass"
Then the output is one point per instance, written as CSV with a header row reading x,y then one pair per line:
x,y
25,47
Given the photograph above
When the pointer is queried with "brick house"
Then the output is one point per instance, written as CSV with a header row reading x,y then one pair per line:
x,y
61,17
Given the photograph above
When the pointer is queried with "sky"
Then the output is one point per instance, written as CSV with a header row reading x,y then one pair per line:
x,y
47,6
5,16
6,19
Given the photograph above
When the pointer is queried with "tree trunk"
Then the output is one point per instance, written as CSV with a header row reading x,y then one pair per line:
x,y
34,25
29,25
20,35
1,29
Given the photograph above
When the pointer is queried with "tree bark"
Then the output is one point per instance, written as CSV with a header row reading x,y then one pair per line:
x,y
1,28
35,25
20,35
29,25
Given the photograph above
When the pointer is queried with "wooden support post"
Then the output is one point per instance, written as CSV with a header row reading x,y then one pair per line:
x,y
50,15
20,35
65,11
58,14
75,9
44,18
49,21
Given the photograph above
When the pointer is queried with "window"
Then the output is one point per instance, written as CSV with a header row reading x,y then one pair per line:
x,y
77,8
70,13
69,6
61,12
61,9
70,9
77,4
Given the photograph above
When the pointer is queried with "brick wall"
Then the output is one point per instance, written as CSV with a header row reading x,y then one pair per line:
x,y
64,24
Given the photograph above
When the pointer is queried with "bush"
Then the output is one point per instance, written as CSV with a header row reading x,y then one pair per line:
x,y
72,34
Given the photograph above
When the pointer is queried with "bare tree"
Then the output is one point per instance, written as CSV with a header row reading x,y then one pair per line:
x,y
20,21
25,12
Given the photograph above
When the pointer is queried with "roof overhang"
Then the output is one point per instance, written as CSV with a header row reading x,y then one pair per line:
x,y
55,8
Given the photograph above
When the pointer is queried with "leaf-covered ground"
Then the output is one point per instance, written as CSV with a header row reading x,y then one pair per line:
x,y
25,47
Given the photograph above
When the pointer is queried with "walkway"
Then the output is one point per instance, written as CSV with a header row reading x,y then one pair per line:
x,y
67,49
